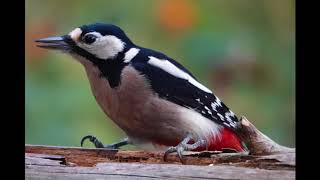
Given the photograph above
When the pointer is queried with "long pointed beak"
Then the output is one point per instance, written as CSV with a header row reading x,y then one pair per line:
x,y
55,43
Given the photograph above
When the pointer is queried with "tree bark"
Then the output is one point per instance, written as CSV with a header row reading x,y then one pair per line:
x,y
266,160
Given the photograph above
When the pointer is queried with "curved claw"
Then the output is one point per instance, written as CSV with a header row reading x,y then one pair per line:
x,y
184,146
179,151
168,151
92,139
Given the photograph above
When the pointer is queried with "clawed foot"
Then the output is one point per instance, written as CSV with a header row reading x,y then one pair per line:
x,y
98,143
183,146
92,139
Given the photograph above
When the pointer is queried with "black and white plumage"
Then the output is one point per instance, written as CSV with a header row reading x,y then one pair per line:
x,y
128,81
171,81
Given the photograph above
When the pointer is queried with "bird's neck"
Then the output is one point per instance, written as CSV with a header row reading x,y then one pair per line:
x,y
111,68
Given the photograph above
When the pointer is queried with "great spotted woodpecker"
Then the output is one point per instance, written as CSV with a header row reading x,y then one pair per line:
x,y
154,99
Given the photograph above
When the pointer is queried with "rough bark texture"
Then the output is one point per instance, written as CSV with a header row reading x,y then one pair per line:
x,y
51,169
267,160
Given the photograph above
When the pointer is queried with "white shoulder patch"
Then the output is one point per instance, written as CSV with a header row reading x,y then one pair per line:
x,y
130,54
175,71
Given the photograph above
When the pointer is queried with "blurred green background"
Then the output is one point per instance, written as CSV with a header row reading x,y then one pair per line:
x,y
244,50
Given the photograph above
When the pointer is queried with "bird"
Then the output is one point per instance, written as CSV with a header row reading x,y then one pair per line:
x,y
154,99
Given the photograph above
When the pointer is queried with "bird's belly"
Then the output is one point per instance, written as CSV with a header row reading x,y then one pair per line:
x,y
142,115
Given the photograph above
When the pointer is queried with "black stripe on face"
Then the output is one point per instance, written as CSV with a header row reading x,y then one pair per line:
x,y
110,68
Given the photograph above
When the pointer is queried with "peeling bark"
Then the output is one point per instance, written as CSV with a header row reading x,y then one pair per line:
x,y
267,160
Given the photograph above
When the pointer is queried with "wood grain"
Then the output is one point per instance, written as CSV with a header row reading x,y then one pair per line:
x,y
266,160
52,162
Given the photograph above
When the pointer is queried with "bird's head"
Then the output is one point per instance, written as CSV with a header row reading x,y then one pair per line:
x,y
92,42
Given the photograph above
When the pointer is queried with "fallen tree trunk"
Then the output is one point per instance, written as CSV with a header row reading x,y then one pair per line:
x,y
267,160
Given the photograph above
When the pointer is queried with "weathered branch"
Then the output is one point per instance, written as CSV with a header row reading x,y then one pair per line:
x,y
267,160
257,142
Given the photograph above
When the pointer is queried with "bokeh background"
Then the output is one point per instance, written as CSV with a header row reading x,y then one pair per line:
x,y
244,50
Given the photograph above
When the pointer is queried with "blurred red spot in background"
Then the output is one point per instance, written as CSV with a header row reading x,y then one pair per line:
x,y
176,15
33,32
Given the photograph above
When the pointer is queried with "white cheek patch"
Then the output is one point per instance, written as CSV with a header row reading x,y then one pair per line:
x,y
105,47
75,34
175,71
130,54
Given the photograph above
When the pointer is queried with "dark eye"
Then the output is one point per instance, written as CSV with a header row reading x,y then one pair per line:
x,y
89,38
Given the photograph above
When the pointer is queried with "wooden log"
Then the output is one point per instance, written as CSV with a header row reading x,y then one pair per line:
x,y
48,170
52,162
257,142
266,160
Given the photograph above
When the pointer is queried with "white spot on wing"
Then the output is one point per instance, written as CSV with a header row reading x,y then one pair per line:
x,y
175,71
130,54
228,114
218,101
226,124
214,106
209,111
198,100
232,124
221,117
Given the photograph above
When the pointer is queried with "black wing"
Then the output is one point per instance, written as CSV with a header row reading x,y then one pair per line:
x,y
183,93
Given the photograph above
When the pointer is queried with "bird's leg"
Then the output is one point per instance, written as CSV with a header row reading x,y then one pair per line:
x,y
184,146
117,145
98,144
